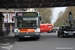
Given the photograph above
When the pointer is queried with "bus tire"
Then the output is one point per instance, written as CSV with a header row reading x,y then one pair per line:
x,y
20,38
16,36
49,31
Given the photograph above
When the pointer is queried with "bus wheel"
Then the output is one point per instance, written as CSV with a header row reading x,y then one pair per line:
x,y
19,38
49,31
15,36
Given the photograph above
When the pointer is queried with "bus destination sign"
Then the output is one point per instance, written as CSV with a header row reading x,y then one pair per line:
x,y
27,14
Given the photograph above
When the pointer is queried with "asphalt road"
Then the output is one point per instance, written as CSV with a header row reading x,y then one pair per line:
x,y
47,41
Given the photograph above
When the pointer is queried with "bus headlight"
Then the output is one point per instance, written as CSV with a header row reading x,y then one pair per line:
x,y
16,30
37,30
74,31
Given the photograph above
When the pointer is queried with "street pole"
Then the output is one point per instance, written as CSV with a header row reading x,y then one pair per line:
x,y
70,16
70,22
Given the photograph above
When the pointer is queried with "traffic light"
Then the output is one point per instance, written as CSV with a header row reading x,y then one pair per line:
x,y
70,18
70,14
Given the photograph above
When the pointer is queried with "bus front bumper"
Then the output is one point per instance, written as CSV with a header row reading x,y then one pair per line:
x,y
28,35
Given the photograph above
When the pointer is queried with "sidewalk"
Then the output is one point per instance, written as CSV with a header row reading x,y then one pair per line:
x,y
8,39
11,34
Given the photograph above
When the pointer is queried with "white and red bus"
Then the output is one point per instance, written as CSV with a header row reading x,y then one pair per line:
x,y
46,27
27,24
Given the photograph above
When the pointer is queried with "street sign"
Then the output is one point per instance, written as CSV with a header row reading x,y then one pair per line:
x,y
70,18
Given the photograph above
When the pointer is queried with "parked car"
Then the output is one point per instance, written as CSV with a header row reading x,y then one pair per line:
x,y
55,29
66,31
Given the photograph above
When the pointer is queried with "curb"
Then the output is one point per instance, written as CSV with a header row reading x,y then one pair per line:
x,y
2,37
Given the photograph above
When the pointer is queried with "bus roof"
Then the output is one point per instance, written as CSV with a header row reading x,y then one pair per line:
x,y
45,24
27,11
27,14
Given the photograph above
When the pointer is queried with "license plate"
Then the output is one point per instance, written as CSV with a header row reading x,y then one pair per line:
x,y
70,33
26,36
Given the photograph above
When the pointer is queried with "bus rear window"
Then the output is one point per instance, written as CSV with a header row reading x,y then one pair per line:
x,y
49,26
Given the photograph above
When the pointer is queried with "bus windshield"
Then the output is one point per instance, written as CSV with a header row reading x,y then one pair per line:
x,y
27,22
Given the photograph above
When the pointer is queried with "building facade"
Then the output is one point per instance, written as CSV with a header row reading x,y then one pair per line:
x,y
9,19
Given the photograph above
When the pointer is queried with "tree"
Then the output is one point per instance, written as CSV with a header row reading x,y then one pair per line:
x,y
60,14
65,17
45,13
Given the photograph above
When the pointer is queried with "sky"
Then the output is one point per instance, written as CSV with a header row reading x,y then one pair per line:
x,y
55,13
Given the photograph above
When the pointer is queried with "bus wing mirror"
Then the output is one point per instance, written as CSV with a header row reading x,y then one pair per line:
x,y
40,18
13,16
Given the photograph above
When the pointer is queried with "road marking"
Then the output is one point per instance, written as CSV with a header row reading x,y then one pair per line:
x,y
9,47
4,44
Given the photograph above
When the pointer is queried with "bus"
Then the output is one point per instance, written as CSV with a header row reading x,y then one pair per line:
x,y
46,28
27,25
